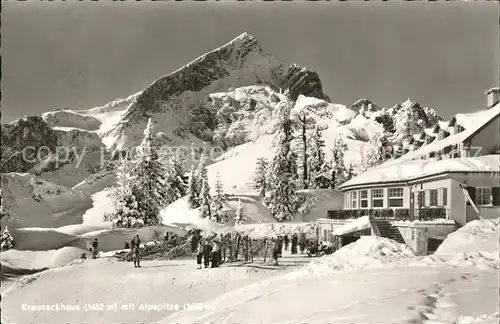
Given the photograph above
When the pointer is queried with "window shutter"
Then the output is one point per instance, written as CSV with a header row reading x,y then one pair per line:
x,y
472,194
495,192
445,196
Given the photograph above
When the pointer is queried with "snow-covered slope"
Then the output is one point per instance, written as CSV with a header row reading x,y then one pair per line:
x,y
34,202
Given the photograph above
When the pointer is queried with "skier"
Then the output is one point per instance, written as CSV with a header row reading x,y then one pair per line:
x,y
127,246
199,254
95,251
276,250
294,243
135,244
302,242
286,241
206,253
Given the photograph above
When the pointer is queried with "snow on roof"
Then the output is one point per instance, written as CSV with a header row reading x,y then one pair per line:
x,y
416,137
492,89
414,169
443,124
356,225
474,122
430,132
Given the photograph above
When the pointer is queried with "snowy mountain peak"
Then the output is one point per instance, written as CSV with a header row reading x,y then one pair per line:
x,y
179,101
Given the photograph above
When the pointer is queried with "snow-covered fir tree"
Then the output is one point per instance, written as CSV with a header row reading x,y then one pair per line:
x,y
205,199
377,152
176,188
219,189
3,209
192,190
339,170
142,185
240,214
260,178
283,169
317,157
6,240
218,199
201,171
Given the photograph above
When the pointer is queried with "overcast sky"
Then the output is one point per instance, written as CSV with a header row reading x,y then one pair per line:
x,y
85,54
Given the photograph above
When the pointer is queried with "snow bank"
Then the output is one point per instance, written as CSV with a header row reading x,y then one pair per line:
x,y
180,215
31,260
358,224
369,252
114,239
79,229
476,236
102,204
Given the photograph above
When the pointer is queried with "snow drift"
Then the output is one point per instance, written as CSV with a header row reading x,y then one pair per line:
x,y
476,236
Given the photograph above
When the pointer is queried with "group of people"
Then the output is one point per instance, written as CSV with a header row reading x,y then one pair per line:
x,y
208,252
296,241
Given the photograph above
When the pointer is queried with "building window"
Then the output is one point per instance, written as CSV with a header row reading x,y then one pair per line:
x,y
354,195
443,197
458,129
483,196
434,198
427,200
377,198
440,135
363,198
395,197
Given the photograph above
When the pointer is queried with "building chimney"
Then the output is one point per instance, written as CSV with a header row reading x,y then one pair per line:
x,y
492,97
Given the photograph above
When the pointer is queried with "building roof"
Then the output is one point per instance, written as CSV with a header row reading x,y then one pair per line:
x,y
472,123
415,169
492,89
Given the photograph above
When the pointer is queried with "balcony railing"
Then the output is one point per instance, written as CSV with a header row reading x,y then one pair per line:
x,y
391,214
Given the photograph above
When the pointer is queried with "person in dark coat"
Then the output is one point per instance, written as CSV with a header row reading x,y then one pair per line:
x,y
276,250
194,241
199,254
302,242
216,254
135,245
280,246
294,243
95,250
286,241
207,249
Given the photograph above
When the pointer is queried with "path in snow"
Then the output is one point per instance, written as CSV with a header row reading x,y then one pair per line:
x,y
405,295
